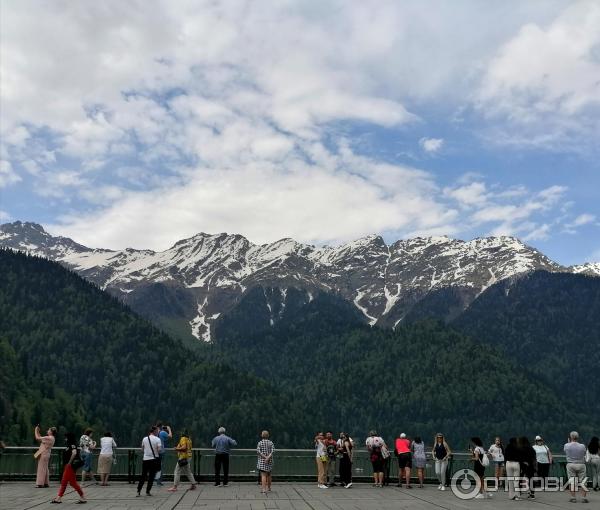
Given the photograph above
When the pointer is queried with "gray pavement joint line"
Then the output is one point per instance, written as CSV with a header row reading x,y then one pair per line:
x,y
303,499
69,490
397,489
180,498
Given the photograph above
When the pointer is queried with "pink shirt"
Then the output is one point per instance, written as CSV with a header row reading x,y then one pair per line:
x,y
402,445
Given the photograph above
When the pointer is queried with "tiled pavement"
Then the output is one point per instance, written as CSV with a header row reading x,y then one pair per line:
x,y
285,496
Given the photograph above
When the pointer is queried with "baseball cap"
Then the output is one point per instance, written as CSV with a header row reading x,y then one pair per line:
x,y
538,438
403,435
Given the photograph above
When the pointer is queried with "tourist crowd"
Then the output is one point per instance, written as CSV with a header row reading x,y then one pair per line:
x,y
518,459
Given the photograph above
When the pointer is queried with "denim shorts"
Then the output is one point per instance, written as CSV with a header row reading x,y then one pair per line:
x,y
86,457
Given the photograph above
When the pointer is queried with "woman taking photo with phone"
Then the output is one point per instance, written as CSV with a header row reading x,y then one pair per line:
x,y
42,479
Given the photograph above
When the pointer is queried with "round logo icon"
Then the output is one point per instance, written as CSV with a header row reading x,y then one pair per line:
x,y
464,484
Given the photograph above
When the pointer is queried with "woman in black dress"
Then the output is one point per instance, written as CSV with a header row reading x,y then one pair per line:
x,y
346,461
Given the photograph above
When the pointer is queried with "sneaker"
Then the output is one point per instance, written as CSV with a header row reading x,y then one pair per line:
x,y
443,488
516,498
171,489
348,486
193,488
480,496
573,500
584,500
225,485
323,486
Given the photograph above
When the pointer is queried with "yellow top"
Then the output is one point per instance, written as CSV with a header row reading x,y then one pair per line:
x,y
184,442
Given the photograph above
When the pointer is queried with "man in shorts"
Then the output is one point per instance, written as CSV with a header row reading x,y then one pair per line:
x,y
575,453
404,460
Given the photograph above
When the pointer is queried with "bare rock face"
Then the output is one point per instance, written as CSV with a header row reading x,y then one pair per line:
x,y
188,286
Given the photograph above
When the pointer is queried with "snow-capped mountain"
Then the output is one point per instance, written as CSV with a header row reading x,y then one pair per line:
x,y
198,279
590,268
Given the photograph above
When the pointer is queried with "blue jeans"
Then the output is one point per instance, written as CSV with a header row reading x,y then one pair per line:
x,y
86,457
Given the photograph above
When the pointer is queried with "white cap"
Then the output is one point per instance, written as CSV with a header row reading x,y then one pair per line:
x,y
538,438
403,435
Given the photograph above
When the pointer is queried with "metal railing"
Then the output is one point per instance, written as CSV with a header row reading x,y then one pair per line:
x,y
18,463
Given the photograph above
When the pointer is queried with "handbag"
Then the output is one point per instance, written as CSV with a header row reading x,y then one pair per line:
x,y
77,462
385,453
182,462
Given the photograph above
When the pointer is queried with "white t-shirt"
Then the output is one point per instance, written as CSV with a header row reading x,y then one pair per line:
x,y
496,452
541,454
479,451
156,445
106,445
321,450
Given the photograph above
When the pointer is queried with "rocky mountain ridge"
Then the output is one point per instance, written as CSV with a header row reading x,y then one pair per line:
x,y
192,283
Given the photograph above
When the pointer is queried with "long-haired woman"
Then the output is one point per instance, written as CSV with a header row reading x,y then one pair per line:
x,y
594,462
346,460
441,453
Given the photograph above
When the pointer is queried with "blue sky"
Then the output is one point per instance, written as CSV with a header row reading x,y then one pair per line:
x,y
140,123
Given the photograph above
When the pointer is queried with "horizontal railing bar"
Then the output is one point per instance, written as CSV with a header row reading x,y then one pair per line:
x,y
287,452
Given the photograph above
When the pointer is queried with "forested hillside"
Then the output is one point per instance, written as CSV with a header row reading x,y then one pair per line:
x,y
78,356
71,355
549,324
421,378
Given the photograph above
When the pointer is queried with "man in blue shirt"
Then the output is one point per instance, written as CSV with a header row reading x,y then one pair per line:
x,y
222,445
164,435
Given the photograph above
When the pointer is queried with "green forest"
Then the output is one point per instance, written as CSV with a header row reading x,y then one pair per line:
x,y
73,356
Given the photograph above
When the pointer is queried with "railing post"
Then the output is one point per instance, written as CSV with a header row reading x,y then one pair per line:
x,y
131,461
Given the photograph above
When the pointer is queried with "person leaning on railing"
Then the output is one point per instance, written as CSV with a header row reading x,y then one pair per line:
x,y
105,459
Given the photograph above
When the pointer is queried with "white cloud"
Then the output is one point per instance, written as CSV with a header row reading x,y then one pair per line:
x,y
583,219
231,116
4,216
312,203
544,81
470,195
540,233
431,145
7,175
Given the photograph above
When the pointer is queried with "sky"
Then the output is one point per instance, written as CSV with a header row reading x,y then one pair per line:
x,y
139,123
